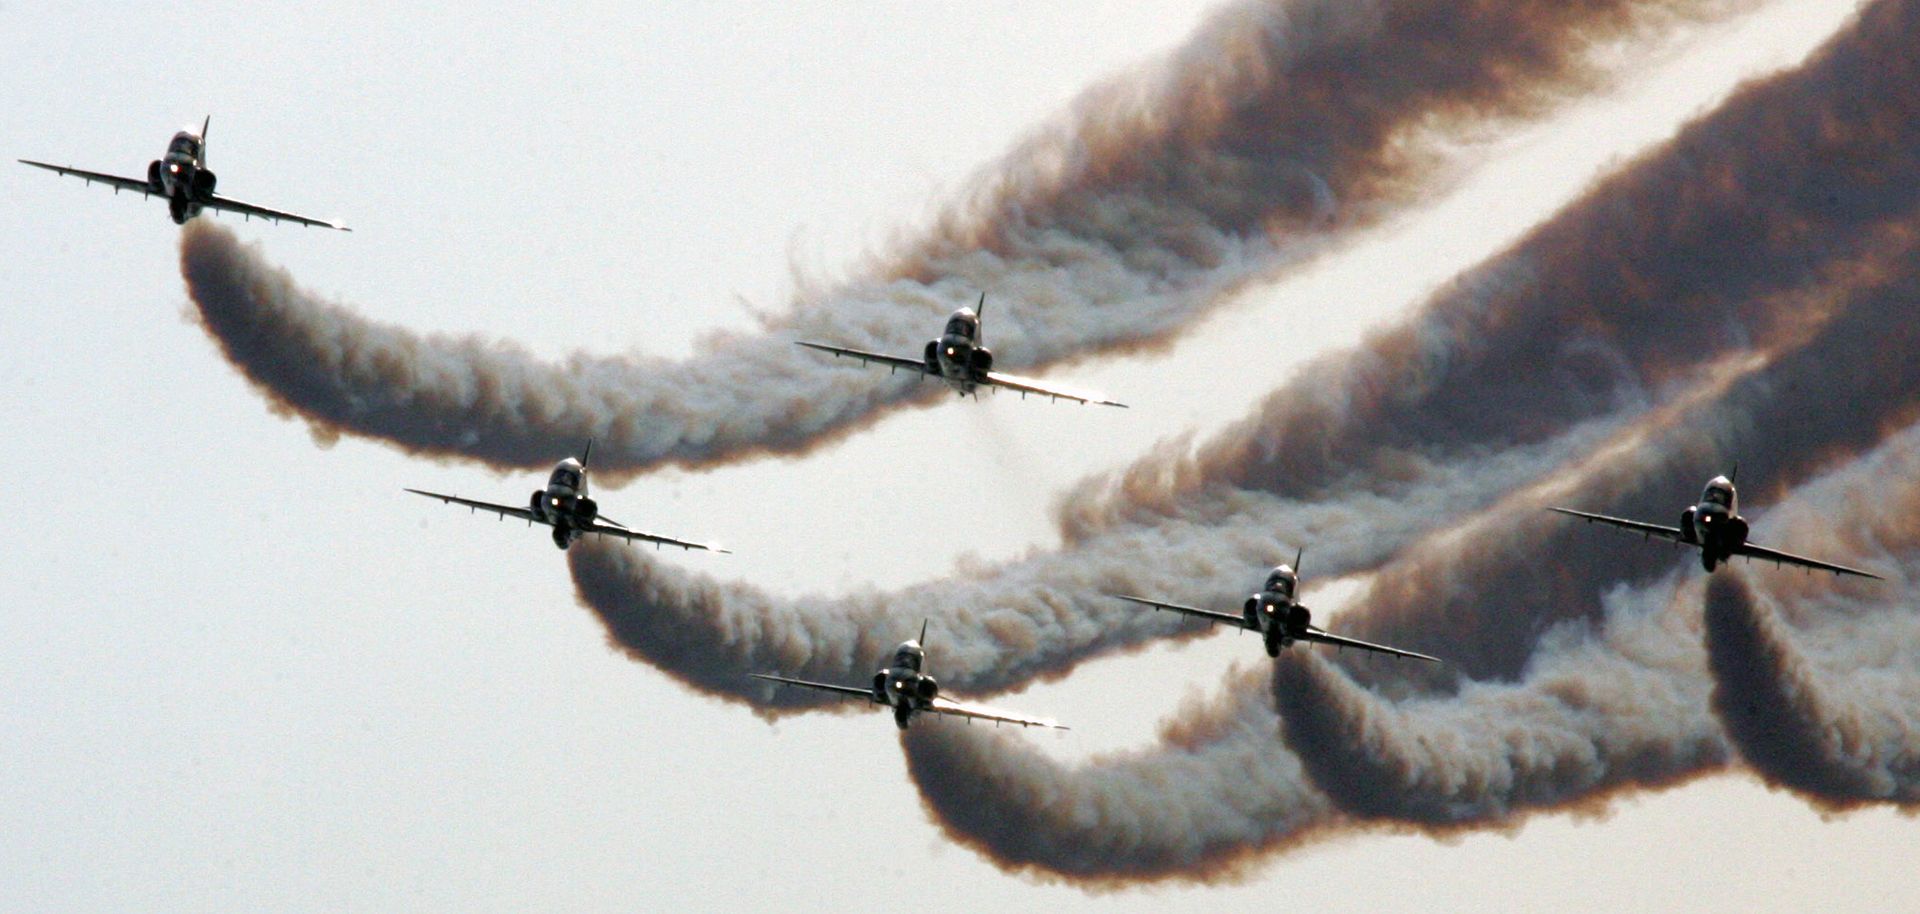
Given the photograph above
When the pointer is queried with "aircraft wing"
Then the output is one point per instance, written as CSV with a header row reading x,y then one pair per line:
x,y
1787,558
977,712
1644,529
247,209
1210,615
893,362
138,185
606,527
1323,637
822,686
1028,386
502,510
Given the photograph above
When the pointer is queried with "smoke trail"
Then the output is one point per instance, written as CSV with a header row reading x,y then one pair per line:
x,y
1610,700
1624,707
1279,126
1676,260
1214,519
1830,706
1202,805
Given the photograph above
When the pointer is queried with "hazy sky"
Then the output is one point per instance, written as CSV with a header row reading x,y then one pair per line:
x,y
242,671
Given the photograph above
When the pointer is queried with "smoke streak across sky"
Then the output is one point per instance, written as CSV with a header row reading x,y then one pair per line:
x,y
1550,325
1605,688
1733,266
1277,129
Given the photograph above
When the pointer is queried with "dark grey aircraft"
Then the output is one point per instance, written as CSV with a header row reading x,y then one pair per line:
x,y
961,358
1715,527
1277,614
183,178
564,506
905,687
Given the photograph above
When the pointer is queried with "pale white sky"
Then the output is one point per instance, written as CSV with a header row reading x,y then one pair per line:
x,y
241,671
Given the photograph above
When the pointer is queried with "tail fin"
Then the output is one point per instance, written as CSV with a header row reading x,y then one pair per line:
x,y
923,632
980,314
203,138
587,454
1735,475
1298,554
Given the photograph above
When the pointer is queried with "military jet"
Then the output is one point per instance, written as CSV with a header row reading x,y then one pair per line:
x,y
1715,527
183,178
1276,613
961,358
909,690
564,506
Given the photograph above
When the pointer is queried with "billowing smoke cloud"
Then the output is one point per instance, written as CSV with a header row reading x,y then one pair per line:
x,y
1612,697
1206,801
1828,704
1563,343
1278,127
1700,248
1842,737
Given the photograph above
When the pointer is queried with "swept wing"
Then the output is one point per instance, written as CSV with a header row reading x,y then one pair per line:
x,y
893,362
605,527
502,510
822,686
1210,615
952,708
138,185
248,209
1029,386
1787,558
1322,636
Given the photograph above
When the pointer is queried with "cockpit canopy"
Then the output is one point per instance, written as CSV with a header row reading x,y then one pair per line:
x,y
568,475
963,323
1282,581
184,143
909,655
1719,491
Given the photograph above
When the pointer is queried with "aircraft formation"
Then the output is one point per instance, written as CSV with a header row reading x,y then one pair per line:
x,y
959,358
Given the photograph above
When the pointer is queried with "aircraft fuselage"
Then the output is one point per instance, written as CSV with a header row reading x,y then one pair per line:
x,y
958,357
564,502
903,686
1275,611
1715,524
182,176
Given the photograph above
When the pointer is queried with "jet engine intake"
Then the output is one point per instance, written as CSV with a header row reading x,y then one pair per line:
x,y
203,182
982,359
153,174
925,688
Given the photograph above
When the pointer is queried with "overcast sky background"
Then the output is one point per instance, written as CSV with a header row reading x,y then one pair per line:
x,y
242,671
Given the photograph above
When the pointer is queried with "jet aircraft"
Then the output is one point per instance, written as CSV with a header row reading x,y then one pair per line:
x,y
1277,614
908,690
564,506
961,358
1715,527
183,178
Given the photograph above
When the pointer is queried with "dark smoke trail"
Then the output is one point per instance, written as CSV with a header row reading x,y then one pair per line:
x,y
1829,706
1677,259
1608,704
1214,520
1621,710
1280,126
1202,805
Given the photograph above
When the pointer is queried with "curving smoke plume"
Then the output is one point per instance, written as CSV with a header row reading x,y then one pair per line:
x,y
1818,689
1578,352
1278,127
1613,697
1204,803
